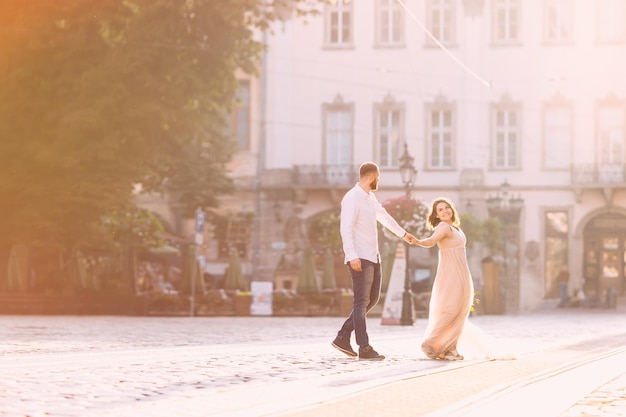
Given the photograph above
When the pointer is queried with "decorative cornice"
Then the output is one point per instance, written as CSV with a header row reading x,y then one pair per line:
x,y
389,99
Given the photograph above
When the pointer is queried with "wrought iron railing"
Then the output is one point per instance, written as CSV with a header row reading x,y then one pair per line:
x,y
598,175
311,176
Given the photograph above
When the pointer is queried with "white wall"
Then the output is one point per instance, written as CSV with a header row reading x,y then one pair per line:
x,y
302,75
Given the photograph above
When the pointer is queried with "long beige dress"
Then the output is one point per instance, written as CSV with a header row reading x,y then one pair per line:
x,y
452,294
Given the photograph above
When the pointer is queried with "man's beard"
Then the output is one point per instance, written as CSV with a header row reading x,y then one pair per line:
x,y
374,185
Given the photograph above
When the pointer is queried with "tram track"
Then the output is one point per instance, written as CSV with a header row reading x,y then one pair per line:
x,y
545,393
476,388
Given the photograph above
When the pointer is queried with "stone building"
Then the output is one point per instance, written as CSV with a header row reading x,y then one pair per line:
x,y
509,107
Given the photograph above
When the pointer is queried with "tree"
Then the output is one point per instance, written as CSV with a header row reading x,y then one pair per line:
x,y
99,96
488,231
323,231
410,213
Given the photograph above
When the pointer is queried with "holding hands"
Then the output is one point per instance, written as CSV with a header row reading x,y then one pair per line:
x,y
410,239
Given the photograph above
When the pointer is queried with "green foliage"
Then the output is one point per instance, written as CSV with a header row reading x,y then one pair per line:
x,y
282,300
488,231
411,214
494,234
388,254
99,96
134,227
473,228
163,303
320,299
307,279
234,279
323,231
329,280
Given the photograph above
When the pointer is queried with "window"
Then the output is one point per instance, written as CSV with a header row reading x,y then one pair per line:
x,y
557,135
390,23
506,21
338,22
558,20
505,137
241,115
440,136
441,20
338,133
389,126
556,238
611,21
611,143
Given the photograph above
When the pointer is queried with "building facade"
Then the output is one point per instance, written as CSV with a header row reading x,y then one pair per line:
x,y
511,109
484,93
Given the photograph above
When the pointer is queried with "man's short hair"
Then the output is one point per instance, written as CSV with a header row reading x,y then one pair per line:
x,y
367,168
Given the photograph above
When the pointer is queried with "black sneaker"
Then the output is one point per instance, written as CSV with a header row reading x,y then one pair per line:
x,y
368,353
344,346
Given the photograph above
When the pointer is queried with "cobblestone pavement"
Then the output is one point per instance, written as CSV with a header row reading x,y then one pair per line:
x,y
135,366
609,400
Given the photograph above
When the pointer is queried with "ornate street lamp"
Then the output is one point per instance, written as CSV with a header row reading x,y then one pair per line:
x,y
407,170
408,174
507,209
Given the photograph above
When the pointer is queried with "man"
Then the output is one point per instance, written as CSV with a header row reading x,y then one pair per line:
x,y
360,210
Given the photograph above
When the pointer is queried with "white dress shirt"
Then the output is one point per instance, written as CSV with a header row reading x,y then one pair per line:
x,y
359,212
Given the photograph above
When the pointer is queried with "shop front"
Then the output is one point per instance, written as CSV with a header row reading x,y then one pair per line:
x,y
605,255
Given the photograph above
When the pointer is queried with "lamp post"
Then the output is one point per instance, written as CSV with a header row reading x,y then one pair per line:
x,y
408,174
507,209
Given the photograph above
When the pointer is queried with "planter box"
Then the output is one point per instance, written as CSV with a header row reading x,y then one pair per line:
x,y
346,302
242,304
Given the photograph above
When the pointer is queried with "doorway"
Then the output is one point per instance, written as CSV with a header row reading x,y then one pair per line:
x,y
605,254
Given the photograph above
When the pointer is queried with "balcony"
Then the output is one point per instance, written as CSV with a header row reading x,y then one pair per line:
x,y
604,178
311,177
592,175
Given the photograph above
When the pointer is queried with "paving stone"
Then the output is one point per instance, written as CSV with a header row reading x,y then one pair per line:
x,y
117,366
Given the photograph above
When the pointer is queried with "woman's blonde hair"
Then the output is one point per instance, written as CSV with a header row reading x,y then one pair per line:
x,y
433,221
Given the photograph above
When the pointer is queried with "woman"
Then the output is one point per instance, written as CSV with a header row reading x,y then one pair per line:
x,y
453,290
